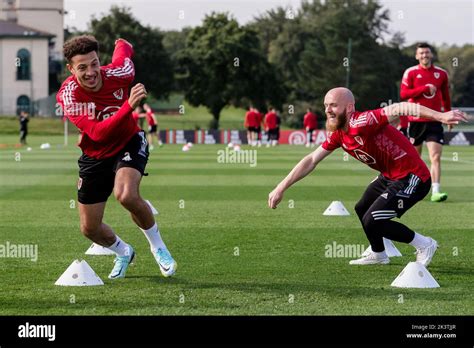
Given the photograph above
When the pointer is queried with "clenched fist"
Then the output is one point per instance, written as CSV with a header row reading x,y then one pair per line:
x,y
137,94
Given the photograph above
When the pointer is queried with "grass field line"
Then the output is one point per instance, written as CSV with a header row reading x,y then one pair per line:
x,y
458,160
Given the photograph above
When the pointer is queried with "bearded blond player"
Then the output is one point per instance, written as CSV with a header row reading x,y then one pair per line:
x,y
404,178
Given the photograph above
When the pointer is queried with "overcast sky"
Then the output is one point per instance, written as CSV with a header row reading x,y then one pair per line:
x,y
435,21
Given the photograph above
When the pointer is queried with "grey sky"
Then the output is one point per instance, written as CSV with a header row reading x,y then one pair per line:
x,y
436,21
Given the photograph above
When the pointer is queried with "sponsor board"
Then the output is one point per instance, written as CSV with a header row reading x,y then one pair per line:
x,y
291,137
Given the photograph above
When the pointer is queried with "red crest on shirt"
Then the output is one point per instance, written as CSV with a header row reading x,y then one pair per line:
x,y
118,94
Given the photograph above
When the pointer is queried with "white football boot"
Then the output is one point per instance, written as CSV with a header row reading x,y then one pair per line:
x,y
372,258
424,255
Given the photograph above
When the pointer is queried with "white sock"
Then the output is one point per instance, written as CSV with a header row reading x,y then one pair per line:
x,y
154,238
435,187
420,241
120,247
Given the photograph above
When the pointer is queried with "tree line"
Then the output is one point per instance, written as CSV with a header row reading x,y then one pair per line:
x,y
286,58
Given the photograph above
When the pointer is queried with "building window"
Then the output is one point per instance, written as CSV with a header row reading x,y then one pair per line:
x,y
23,104
23,69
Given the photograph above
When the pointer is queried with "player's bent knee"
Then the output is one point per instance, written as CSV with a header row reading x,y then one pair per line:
x,y
435,158
127,198
376,221
89,230
369,222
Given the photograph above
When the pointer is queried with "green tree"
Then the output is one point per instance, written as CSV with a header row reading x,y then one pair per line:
x,y
152,63
174,43
269,25
224,65
311,51
459,62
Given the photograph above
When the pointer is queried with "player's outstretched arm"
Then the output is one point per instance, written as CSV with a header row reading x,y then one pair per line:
x,y
303,168
394,111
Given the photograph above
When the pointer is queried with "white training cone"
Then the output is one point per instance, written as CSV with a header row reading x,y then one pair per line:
x,y
415,275
153,209
237,148
230,145
79,273
96,249
336,208
190,144
390,249
185,148
45,146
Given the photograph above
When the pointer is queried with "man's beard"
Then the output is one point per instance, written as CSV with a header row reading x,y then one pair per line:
x,y
341,122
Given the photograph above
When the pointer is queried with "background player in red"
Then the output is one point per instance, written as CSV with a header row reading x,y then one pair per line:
x,y
153,131
404,178
136,114
310,123
115,151
258,129
403,126
251,124
271,127
427,85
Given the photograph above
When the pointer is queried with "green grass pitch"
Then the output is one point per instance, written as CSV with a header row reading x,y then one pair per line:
x,y
235,255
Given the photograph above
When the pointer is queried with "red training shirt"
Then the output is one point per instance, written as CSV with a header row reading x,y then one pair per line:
x,y
150,118
103,117
415,88
250,119
271,120
310,121
373,141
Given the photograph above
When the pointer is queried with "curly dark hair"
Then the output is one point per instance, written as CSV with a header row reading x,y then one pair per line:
x,y
80,45
424,45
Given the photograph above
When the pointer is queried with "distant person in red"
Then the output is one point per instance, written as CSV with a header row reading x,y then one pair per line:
x,y
136,114
259,119
278,127
251,124
427,85
403,126
310,123
115,152
153,131
403,180
271,127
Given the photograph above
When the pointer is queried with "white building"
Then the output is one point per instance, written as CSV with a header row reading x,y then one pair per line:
x,y
31,35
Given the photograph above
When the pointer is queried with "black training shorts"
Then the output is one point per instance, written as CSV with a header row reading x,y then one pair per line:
x,y
97,176
418,132
385,198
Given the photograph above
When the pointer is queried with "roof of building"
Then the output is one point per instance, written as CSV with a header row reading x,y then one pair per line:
x,y
14,30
